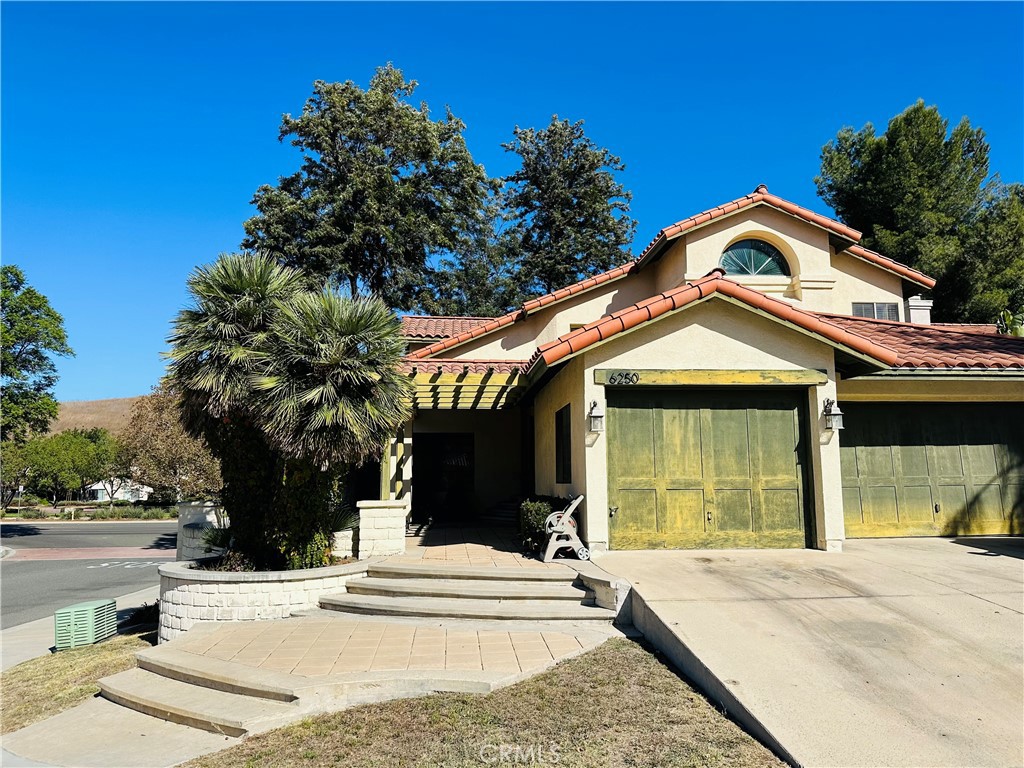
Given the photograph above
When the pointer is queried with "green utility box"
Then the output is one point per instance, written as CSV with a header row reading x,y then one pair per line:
x,y
84,623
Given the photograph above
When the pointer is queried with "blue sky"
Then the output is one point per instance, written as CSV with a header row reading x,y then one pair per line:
x,y
134,135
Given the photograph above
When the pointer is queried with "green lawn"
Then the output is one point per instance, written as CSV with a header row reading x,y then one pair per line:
x,y
618,705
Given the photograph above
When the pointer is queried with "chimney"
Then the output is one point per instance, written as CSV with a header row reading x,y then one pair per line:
x,y
918,309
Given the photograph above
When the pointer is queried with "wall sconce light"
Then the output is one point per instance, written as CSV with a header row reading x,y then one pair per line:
x,y
596,417
833,416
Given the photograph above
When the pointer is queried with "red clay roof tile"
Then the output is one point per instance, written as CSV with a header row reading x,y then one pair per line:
x,y
463,366
937,346
438,326
660,304
908,273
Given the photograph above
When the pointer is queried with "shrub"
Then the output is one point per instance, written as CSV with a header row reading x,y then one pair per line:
x,y
145,615
122,503
32,514
532,514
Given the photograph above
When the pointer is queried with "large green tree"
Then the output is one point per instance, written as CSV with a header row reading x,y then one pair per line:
x,y
567,212
382,187
31,332
290,386
918,192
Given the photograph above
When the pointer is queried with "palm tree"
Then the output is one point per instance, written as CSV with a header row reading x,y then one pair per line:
x,y
290,386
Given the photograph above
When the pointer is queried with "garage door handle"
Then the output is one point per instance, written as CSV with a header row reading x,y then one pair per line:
x,y
709,517
612,511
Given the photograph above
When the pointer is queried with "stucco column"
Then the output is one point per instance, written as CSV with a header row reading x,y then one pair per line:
x,y
595,528
827,488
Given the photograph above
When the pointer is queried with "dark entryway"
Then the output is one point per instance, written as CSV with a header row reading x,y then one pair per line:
x,y
444,477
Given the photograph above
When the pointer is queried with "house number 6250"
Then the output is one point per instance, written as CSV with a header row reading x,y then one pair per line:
x,y
624,377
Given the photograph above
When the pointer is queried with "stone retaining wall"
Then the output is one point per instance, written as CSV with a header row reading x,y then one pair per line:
x,y
188,595
382,528
193,518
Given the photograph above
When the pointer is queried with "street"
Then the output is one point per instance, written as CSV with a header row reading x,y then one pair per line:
x,y
58,564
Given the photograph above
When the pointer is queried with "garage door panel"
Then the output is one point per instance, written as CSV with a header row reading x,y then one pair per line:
x,y
729,454
913,460
947,460
733,510
986,503
777,440
781,510
638,510
952,501
853,511
917,504
635,455
880,505
982,460
684,512
681,440
875,460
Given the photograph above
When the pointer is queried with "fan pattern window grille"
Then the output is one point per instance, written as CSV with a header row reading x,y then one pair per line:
x,y
754,257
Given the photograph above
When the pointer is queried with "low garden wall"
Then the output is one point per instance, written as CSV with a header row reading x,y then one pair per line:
x,y
188,595
193,518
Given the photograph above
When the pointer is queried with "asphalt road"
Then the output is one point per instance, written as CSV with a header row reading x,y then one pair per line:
x,y
33,589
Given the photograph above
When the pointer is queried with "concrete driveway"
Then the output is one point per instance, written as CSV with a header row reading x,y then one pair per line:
x,y
896,652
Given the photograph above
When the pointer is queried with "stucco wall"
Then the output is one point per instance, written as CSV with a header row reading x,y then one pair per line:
x,y
519,340
497,449
821,280
566,388
719,335
856,280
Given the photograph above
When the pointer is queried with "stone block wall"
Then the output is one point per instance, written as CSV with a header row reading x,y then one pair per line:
x,y
193,518
188,595
382,528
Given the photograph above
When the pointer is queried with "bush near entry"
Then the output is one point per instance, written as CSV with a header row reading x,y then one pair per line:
x,y
532,514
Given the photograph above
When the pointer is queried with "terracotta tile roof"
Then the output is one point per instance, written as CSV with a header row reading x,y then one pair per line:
x,y
715,282
409,365
763,196
908,273
759,195
490,325
969,327
438,326
937,346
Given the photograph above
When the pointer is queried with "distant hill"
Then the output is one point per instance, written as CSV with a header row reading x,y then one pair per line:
x,y
111,415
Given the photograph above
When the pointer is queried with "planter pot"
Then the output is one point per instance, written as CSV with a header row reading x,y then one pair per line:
x,y
188,595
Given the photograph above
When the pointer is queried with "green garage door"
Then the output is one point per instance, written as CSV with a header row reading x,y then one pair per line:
x,y
706,468
931,469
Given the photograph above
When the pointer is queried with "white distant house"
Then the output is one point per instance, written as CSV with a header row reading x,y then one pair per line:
x,y
128,491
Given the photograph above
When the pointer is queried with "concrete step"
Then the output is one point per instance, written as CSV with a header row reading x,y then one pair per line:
x,y
469,589
196,706
442,607
195,669
385,570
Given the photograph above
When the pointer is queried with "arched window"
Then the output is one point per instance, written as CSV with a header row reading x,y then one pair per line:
x,y
754,257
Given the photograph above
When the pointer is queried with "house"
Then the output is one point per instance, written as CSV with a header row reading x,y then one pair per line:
x,y
127,490
693,395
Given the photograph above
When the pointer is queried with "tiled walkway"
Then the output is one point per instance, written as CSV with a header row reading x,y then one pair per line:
x,y
323,646
478,547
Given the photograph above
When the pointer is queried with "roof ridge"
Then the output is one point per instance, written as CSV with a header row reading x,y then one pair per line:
x,y
661,303
945,327
525,309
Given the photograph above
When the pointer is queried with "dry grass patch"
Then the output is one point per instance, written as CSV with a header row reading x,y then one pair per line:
x,y
40,688
618,705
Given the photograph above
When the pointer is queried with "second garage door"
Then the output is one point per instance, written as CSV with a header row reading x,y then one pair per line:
x,y
706,468
932,469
